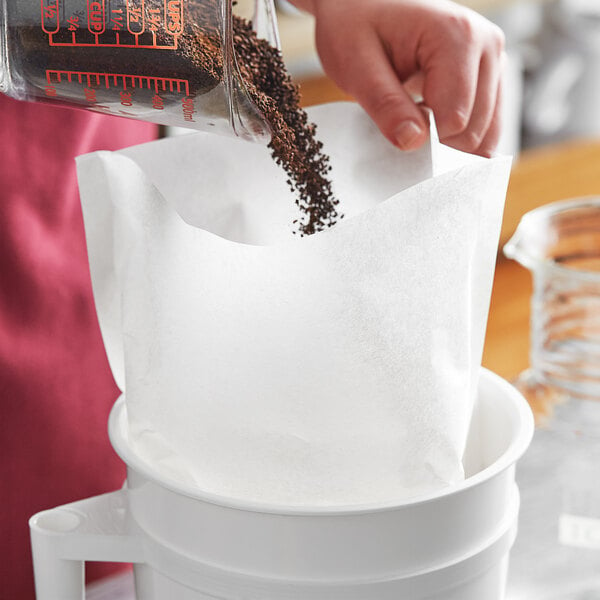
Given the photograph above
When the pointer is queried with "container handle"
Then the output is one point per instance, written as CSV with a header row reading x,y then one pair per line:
x,y
63,538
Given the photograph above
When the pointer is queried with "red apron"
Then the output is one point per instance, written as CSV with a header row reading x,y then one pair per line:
x,y
56,388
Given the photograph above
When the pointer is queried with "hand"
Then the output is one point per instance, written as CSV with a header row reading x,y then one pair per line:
x,y
380,51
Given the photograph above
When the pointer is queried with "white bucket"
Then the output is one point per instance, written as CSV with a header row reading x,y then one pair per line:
x,y
188,545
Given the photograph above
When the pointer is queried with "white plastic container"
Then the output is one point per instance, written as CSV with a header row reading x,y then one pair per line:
x,y
186,545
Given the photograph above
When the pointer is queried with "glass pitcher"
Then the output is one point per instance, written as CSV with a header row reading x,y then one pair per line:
x,y
557,553
171,62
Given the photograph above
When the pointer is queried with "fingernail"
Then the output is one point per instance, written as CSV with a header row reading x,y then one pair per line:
x,y
407,134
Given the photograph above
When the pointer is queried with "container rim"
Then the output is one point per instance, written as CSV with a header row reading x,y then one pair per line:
x,y
528,221
521,416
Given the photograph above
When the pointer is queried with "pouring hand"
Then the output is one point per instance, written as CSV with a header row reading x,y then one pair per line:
x,y
380,51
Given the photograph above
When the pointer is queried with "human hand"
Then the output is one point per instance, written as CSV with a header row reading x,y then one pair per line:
x,y
381,51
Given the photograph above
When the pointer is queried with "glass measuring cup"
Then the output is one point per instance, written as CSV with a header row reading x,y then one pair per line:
x,y
171,62
560,244
557,553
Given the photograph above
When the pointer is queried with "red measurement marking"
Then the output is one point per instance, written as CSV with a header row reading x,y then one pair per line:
x,y
50,74
117,19
50,16
126,98
157,102
73,23
101,44
188,109
96,11
153,19
135,16
142,81
90,95
174,16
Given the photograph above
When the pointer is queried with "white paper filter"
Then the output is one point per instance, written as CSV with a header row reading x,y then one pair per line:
x,y
335,369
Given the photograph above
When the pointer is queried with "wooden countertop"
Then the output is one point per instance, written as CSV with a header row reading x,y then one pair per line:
x,y
538,177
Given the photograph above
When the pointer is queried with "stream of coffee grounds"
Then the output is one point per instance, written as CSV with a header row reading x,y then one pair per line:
x,y
294,145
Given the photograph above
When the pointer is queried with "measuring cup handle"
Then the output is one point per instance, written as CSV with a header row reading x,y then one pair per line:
x,y
63,538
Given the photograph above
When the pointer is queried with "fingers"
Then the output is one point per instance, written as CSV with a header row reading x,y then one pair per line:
x,y
383,96
462,88
492,136
484,119
450,85
449,53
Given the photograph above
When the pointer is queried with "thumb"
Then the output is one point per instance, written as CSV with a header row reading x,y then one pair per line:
x,y
388,103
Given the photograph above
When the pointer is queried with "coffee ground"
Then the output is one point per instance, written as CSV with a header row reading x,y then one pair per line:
x,y
293,145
